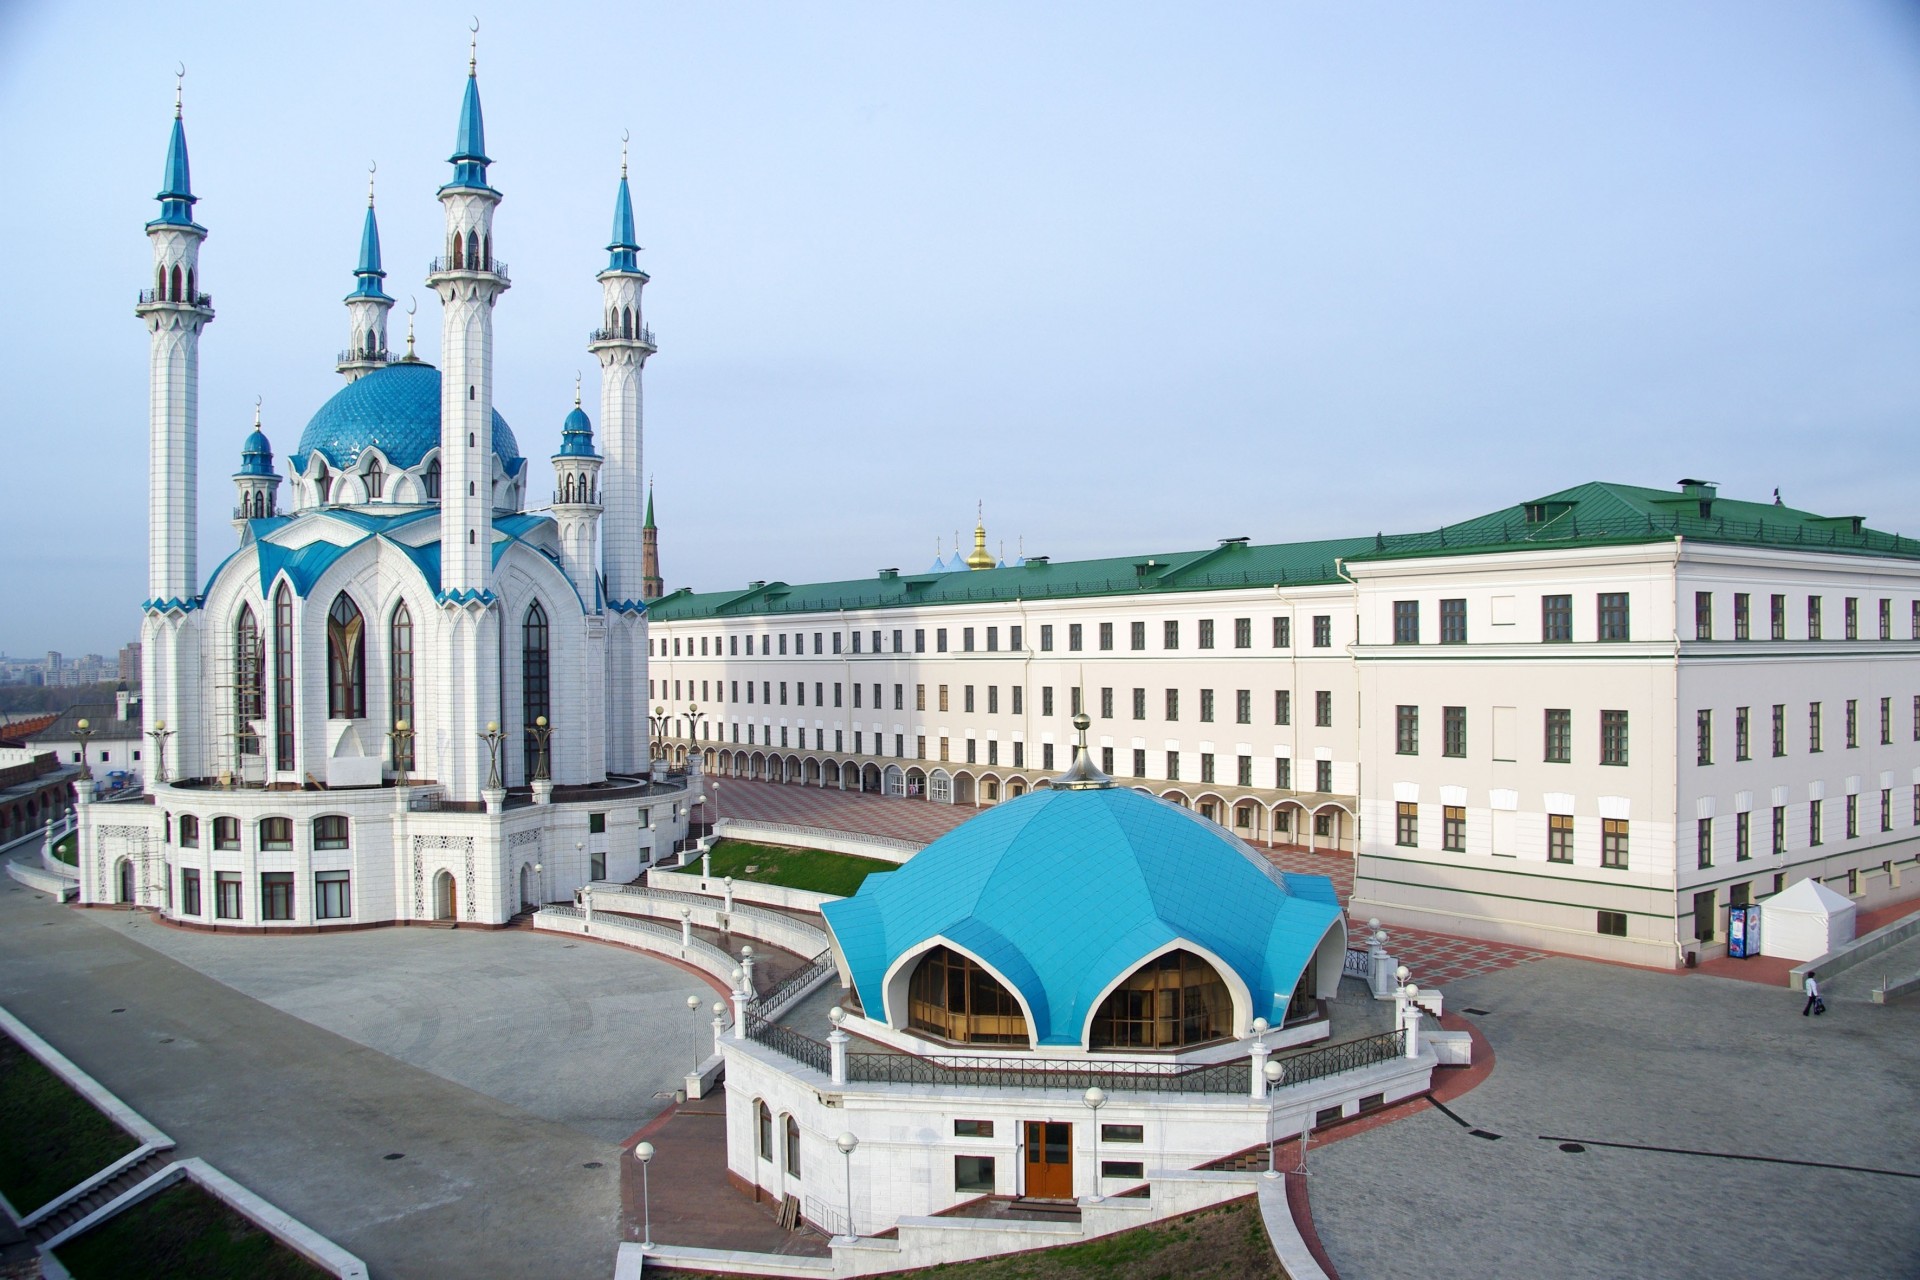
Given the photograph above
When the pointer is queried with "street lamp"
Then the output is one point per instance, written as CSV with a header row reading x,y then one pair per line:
x,y
644,1154
541,732
160,733
540,870
493,737
1095,1097
84,731
401,735
1274,1070
693,1007
847,1142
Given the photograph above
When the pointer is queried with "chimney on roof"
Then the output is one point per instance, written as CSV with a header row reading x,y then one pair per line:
x,y
1702,491
120,700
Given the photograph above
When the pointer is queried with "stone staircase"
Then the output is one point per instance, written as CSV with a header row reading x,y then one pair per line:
x,y
128,1178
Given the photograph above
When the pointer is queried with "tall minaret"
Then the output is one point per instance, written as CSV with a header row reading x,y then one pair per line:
x,y
576,503
651,583
623,345
367,305
256,483
468,280
174,311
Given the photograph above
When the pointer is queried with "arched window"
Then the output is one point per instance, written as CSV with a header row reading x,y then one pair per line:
x,y
160,283
323,484
433,480
376,479
247,683
952,996
566,490
458,257
626,322
793,1147
400,694
283,677
175,293
534,671
190,293
763,1124
473,250
486,252
1171,1001
346,661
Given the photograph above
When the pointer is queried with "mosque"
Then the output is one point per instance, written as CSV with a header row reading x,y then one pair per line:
x,y
404,696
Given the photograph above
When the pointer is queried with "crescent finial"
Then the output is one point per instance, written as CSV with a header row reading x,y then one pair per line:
x,y
179,76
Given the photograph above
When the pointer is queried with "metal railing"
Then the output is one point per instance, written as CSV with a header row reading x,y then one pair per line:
x,y
706,902
818,967
1041,1073
363,357
639,334
802,1048
755,825
1358,964
197,300
1350,1055
1566,527
493,267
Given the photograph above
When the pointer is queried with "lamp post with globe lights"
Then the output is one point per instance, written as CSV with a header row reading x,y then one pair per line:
x,y
84,732
693,1007
847,1142
542,733
493,737
160,733
644,1154
1095,1098
401,735
1274,1071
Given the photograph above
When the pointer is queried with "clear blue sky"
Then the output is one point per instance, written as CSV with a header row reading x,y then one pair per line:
x,y
1138,276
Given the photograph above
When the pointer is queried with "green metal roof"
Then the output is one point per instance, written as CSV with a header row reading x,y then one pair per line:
x,y
1595,513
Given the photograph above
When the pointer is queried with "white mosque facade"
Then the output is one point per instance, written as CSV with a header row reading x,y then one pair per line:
x,y
405,696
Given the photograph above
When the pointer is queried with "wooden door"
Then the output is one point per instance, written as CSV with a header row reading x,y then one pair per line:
x,y
1049,1160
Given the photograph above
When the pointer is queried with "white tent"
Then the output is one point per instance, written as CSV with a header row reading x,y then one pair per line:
x,y
1805,921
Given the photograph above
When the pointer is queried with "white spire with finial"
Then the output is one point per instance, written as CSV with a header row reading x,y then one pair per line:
x,y
473,46
179,84
410,310
576,388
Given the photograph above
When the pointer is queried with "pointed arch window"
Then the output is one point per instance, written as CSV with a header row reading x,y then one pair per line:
x,y
458,257
535,676
160,282
247,685
190,293
376,479
626,322
473,250
323,484
1170,1001
175,293
433,481
486,252
283,678
953,996
346,660
400,694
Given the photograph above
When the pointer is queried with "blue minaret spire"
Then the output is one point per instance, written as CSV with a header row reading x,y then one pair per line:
x,y
368,304
469,157
368,272
623,246
176,191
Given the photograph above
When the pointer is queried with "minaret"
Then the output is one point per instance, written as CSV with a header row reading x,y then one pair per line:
x,y
258,484
650,584
623,345
174,311
469,280
367,305
576,504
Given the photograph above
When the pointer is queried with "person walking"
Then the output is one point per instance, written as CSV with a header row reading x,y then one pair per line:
x,y
1814,1003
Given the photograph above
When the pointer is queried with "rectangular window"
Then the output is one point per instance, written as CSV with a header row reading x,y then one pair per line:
x,y
1742,738
1046,700
1122,1133
330,832
1170,635
919,640
189,832
1559,837
1074,637
1133,1170
1137,636
1703,842
1106,637
897,637
226,892
1139,704
1703,736
1453,732
1611,923
276,895
1813,726
1779,619
1453,622
1173,705
1815,834
1703,615
1742,837
1283,633
943,697
1139,763
940,640
1206,633
1244,777
973,1173
1779,729
966,639
993,750
1613,843
1886,722
783,644
1742,616
1886,808
972,748
973,1128
1406,824
1206,766
1046,757
1886,619
1074,709
189,891
1019,695
1323,708
1046,637
919,697
1283,775
1323,778
1813,617
1559,740
1243,706
1613,615
276,835
1243,633
1322,631
1556,619
332,895
1406,731
1853,722
1853,817
1283,706
1173,766
1453,828
1779,829
1406,622
993,639
1613,737
1206,706
966,694
1851,617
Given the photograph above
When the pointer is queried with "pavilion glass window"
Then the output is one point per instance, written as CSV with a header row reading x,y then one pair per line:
x,y
226,895
189,831
1173,1001
952,996
346,660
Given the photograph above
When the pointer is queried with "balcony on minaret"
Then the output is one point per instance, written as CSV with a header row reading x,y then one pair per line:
x,y
176,297
637,334
460,264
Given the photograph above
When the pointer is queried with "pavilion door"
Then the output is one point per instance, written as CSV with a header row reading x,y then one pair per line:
x,y
1049,1160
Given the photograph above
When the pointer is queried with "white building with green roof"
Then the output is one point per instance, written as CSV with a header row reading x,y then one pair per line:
x,y
1589,722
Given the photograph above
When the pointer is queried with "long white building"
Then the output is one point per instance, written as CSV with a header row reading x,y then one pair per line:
x,y
1588,722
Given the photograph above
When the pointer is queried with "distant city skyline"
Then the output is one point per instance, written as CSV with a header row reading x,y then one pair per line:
x,y
1135,279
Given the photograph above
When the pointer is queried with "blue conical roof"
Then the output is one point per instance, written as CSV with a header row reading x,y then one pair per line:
x,y
176,191
256,455
576,436
623,246
469,156
369,272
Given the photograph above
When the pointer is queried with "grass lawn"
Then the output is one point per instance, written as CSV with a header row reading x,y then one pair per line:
x,y
814,869
63,847
51,1138
182,1234
1227,1243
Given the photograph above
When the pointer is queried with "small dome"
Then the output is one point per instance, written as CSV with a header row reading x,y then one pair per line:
x,y
576,436
1064,893
256,455
397,410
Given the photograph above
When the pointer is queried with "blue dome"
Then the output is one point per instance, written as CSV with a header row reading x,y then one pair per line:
x,y
1064,893
576,436
396,408
256,455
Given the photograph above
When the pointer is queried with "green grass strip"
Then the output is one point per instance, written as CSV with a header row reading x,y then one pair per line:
x,y
51,1138
182,1234
812,869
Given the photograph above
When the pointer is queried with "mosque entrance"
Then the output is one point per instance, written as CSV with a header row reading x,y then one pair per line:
x,y
445,897
1049,1160
126,881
